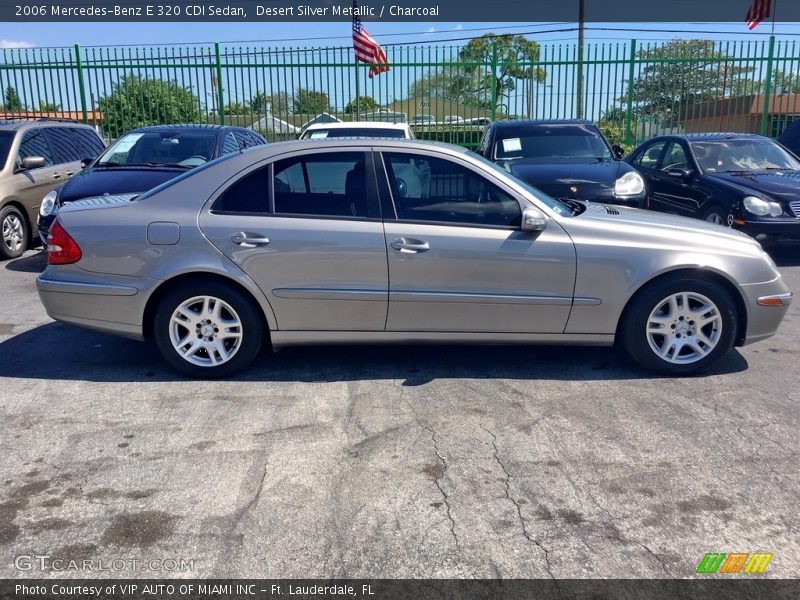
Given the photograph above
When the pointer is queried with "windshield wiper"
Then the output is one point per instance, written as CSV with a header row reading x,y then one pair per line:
x,y
158,164
110,164
575,206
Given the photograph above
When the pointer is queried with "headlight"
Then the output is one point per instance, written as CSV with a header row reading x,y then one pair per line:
x,y
762,208
48,204
629,184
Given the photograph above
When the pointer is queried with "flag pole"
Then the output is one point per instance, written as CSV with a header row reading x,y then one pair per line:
x,y
355,66
774,10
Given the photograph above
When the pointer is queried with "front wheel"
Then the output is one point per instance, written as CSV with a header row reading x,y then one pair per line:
x,y
207,329
718,216
14,230
680,326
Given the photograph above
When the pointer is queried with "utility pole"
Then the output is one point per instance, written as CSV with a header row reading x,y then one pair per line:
x,y
579,86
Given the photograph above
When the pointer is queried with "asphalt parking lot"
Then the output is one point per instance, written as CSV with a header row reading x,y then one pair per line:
x,y
444,461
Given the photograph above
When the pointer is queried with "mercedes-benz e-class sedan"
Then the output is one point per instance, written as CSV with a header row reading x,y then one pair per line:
x,y
311,242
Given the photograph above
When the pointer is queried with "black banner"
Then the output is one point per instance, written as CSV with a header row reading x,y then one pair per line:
x,y
396,589
526,11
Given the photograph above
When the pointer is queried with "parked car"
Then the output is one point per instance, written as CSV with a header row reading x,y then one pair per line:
x,y
453,120
398,241
744,181
423,120
357,129
144,158
790,138
569,160
35,157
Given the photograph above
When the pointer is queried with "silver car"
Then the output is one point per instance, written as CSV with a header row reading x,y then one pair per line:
x,y
312,242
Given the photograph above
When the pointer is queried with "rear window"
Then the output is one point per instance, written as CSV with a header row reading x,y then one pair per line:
x,y
550,141
359,132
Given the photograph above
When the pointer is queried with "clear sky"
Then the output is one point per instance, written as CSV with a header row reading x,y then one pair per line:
x,y
313,34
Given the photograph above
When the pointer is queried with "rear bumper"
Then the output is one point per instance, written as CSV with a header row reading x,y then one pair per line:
x,y
110,308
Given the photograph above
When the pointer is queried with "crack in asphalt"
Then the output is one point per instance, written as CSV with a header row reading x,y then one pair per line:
x,y
507,482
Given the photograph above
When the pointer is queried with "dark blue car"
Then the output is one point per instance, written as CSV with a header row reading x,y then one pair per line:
x,y
144,158
566,159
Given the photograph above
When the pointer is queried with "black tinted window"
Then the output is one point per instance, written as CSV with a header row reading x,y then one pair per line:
x,y
64,145
330,184
649,157
230,144
35,144
433,189
248,195
255,139
6,139
550,141
90,143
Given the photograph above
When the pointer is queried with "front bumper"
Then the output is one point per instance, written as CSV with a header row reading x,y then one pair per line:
x,y
764,314
773,228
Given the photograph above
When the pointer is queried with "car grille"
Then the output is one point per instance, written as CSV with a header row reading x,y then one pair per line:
x,y
795,206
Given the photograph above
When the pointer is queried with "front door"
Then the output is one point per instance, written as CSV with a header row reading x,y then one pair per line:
x,y
317,250
458,261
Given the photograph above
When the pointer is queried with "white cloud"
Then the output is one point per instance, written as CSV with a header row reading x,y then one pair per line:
x,y
459,27
14,44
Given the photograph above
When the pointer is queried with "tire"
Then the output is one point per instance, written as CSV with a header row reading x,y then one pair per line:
x,y
14,237
674,306
716,214
204,331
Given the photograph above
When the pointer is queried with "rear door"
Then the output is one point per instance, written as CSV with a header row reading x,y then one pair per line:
x,y
458,260
307,229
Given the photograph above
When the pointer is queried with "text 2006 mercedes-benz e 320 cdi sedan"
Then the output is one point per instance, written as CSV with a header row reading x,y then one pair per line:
x,y
398,241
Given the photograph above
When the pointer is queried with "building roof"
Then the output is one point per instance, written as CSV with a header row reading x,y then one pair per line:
x,y
753,104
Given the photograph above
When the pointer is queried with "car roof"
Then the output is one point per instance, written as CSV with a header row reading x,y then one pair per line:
x,y
357,124
521,122
713,136
183,127
344,143
17,124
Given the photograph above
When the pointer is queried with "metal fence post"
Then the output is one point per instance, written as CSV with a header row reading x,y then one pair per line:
x,y
81,86
220,96
768,86
629,112
494,80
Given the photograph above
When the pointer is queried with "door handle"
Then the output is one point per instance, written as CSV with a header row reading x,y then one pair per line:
x,y
69,173
249,240
56,175
409,246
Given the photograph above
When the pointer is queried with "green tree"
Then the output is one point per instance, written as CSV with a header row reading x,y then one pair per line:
x,y
365,104
236,108
310,102
49,107
453,84
136,101
279,103
700,73
514,55
12,102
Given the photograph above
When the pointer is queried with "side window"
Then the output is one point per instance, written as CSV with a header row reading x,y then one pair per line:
x,y
648,158
35,144
90,143
255,139
63,143
250,194
484,142
433,189
241,139
327,185
674,158
230,145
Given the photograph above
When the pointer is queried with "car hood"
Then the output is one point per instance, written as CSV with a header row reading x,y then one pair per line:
x,y
654,227
782,185
583,178
118,180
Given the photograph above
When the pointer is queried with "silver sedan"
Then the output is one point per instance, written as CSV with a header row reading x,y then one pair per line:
x,y
376,241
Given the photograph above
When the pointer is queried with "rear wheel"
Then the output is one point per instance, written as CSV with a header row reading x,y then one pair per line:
x,y
14,232
207,329
680,326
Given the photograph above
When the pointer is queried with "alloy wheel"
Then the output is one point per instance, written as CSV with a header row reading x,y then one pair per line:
x,y
205,331
715,218
684,327
13,233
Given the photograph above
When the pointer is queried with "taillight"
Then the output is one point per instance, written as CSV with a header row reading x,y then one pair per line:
x,y
61,248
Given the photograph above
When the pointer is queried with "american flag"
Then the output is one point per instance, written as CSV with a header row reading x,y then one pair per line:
x,y
367,49
759,10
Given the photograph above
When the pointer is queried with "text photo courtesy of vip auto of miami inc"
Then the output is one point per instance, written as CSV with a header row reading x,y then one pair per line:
x,y
388,301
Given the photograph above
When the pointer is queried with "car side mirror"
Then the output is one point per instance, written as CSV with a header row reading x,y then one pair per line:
x,y
619,151
85,162
680,173
32,162
533,219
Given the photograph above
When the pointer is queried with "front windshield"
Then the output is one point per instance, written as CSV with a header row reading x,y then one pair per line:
x,y
353,132
550,141
174,148
742,155
6,139
555,205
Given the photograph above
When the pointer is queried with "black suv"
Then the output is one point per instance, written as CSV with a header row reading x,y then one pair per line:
x,y
144,158
566,159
